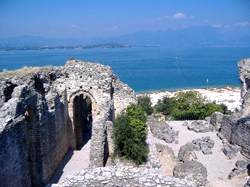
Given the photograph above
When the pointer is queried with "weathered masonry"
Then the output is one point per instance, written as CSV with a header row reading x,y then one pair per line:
x,y
236,128
44,112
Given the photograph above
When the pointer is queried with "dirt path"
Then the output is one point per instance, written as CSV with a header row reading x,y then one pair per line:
x,y
74,161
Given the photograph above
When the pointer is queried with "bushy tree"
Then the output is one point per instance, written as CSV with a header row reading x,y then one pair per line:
x,y
225,109
129,134
146,103
166,106
188,105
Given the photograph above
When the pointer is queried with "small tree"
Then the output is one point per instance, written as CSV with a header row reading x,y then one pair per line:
x,y
71,58
166,106
146,103
129,134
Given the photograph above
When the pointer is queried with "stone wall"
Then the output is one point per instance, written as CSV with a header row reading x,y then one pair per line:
x,y
123,175
38,118
236,128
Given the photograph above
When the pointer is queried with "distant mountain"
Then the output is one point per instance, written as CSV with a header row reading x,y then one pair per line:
x,y
22,41
191,36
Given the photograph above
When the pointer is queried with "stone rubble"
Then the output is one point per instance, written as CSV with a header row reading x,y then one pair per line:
x,y
187,151
240,171
192,170
200,127
205,144
122,175
231,150
162,130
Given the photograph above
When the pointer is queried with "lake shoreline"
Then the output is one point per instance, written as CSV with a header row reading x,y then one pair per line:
x,y
229,95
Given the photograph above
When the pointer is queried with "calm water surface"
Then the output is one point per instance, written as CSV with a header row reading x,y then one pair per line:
x,y
147,68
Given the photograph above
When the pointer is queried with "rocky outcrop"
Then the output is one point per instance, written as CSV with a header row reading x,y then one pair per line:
x,y
216,119
244,75
236,128
237,131
186,152
192,170
43,113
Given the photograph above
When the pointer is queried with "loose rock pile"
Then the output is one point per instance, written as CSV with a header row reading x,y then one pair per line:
x,y
204,144
123,175
229,150
198,126
162,130
241,170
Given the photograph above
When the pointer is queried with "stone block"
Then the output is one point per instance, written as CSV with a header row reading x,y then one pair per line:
x,y
227,151
210,143
241,164
185,123
192,170
207,151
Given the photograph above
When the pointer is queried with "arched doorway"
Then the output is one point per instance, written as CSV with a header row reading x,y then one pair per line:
x,y
82,120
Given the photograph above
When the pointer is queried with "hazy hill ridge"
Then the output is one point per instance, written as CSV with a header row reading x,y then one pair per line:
x,y
206,36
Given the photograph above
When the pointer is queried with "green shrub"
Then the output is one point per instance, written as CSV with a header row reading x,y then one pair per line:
x,y
188,105
145,102
166,106
129,134
225,109
71,58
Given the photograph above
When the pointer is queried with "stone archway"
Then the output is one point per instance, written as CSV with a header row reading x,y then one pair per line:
x,y
82,112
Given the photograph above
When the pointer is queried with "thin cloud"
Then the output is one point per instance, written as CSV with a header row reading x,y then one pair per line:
x,y
243,24
75,26
112,29
179,16
175,16
216,25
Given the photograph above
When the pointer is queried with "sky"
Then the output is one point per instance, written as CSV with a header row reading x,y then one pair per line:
x,y
82,18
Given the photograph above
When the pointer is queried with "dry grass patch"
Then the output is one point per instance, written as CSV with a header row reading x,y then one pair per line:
x,y
19,72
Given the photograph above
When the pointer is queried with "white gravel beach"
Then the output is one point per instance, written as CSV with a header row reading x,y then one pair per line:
x,y
230,96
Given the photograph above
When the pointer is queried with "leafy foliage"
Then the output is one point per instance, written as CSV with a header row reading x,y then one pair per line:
x,y
188,105
166,106
130,132
71,58
145,102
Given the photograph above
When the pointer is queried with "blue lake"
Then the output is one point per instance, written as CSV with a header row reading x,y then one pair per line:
x,y
147,68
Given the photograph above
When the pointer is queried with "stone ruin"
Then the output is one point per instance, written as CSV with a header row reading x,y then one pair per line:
x,y
45,112
199,126
236,128
162,130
